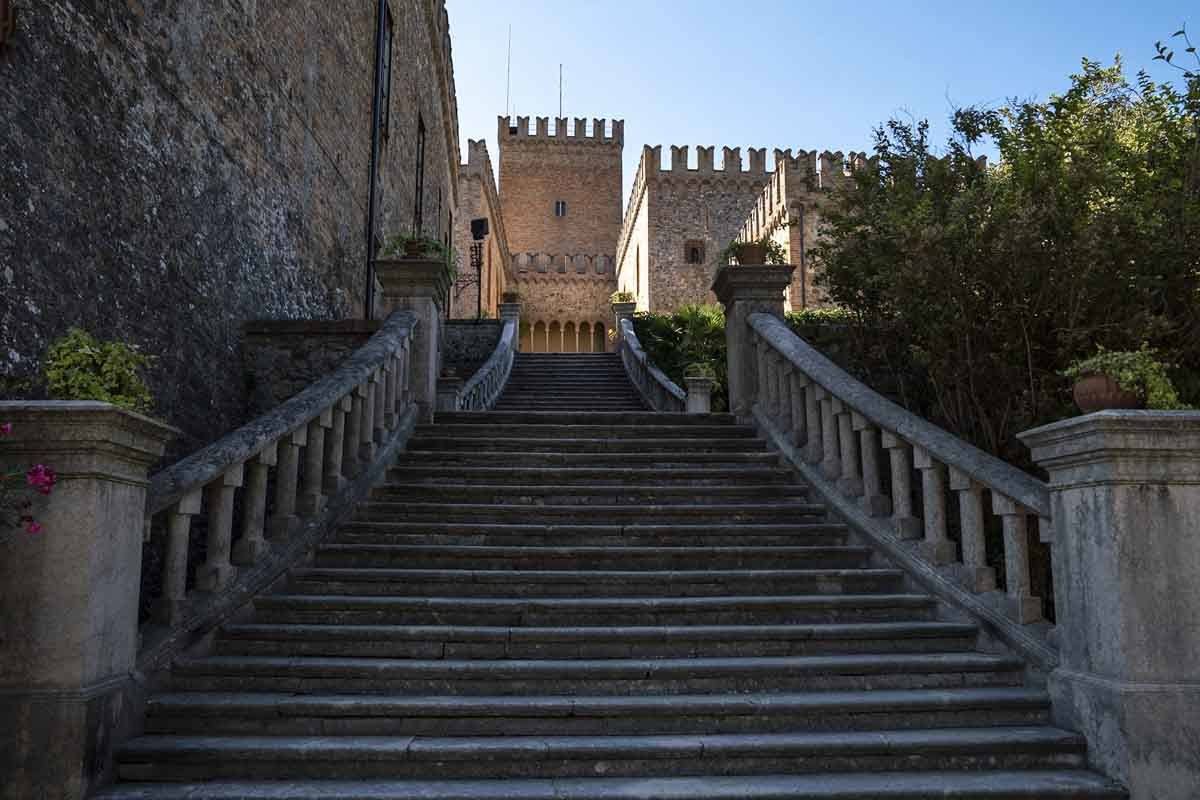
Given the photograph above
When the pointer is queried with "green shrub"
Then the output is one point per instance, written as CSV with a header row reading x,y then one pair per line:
x,y
1138,371
622,297
691,335
398,246
80,367
774,251
830,315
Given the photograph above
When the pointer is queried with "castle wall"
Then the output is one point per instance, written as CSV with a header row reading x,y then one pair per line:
x,y
634,246
578,165
171,170
564,294
478,199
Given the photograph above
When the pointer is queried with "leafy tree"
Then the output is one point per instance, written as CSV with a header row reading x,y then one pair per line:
x,y
997,277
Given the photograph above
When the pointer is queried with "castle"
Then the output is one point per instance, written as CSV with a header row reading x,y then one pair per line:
x,y
570,247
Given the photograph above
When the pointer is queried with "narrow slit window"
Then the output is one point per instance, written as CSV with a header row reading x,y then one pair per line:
x,y
418,211
560,208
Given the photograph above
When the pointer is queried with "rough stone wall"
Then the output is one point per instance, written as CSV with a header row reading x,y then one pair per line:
x,y
467,343
283,357
173,169
580,167
789,209
705,204
478,199
634,245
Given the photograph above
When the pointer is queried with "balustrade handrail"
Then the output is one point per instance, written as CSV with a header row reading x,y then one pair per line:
x,y
947,448
485,386
172,484
661,392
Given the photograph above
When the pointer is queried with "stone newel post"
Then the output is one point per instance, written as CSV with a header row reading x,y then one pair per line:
x,y
1125,493
699,394
69,595
420,286
744,291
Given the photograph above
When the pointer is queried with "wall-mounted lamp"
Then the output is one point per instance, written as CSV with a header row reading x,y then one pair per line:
x,y
8,21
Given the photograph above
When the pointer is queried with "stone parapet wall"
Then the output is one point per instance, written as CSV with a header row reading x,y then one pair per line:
x,y
467,343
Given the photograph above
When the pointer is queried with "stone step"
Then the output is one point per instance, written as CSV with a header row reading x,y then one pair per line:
x,y
571,406
661,513
413,471
663,461
586,611
209,713
552,493
387,553
631,443
393,582
490,418
473,641
589,431
277,757
982,784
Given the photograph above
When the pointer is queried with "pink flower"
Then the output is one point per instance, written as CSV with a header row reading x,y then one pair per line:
x,y
33,527
6,429
41,478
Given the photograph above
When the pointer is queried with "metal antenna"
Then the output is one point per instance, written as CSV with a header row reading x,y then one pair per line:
x,y
560,91
508,76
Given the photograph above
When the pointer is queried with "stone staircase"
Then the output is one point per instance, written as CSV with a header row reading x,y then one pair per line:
x,y
610,604
569,382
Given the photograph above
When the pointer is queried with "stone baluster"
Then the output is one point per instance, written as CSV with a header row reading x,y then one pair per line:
x,y
217,570
335,445
354,427
389,391
937,546
906,525
1019,603
783,391
812,423
797,384
975,574
250,547
849,484
312,495
175,567
874,501
366,442
831,462
378,400
761,397
283,519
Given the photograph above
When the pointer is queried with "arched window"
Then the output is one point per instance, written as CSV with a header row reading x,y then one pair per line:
x,y
570,343
526,342
539,338
555,345
599,338
693,252
585,337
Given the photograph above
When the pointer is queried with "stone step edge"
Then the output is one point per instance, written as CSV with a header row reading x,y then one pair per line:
x,y
897,701
981,785
199,749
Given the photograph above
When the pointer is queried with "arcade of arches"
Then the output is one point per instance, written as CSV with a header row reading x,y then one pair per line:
x,y
563,337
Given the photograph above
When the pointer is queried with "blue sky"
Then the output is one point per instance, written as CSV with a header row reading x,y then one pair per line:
x,y
811,75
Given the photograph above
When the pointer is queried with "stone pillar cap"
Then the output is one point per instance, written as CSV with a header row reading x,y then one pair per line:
x,y
412,277
752,282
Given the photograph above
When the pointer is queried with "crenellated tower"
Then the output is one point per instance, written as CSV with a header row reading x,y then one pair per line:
x,y
561,185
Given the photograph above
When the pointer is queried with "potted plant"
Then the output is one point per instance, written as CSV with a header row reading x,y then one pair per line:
x,y
764,250
1122,379
621,297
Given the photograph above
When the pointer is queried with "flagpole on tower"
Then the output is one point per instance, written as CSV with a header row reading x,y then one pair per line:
x,y
508,76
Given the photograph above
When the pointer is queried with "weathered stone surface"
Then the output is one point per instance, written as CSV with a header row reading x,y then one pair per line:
x,y
478,198
69,594
283,357
468,344
173,169
1125,500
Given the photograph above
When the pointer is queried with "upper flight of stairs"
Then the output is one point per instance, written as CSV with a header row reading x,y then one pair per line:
x,y
582,606
569,382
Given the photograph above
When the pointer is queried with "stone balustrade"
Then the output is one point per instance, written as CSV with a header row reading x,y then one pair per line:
x,y
485,386
657,390
302,452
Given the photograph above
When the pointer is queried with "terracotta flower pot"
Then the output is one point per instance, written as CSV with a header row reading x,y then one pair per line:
x,y
752,254
1098,392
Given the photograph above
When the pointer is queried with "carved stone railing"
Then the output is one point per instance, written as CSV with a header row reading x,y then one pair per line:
x,y
841,429
485,386
290,472
657,390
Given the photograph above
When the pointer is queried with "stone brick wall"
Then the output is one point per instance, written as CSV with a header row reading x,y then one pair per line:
x,y
564,302
580,167
282,357
173,169
466,344
704,205
478,199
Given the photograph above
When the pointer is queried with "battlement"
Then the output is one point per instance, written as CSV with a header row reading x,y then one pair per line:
x,y
575,264
731,162
600,131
